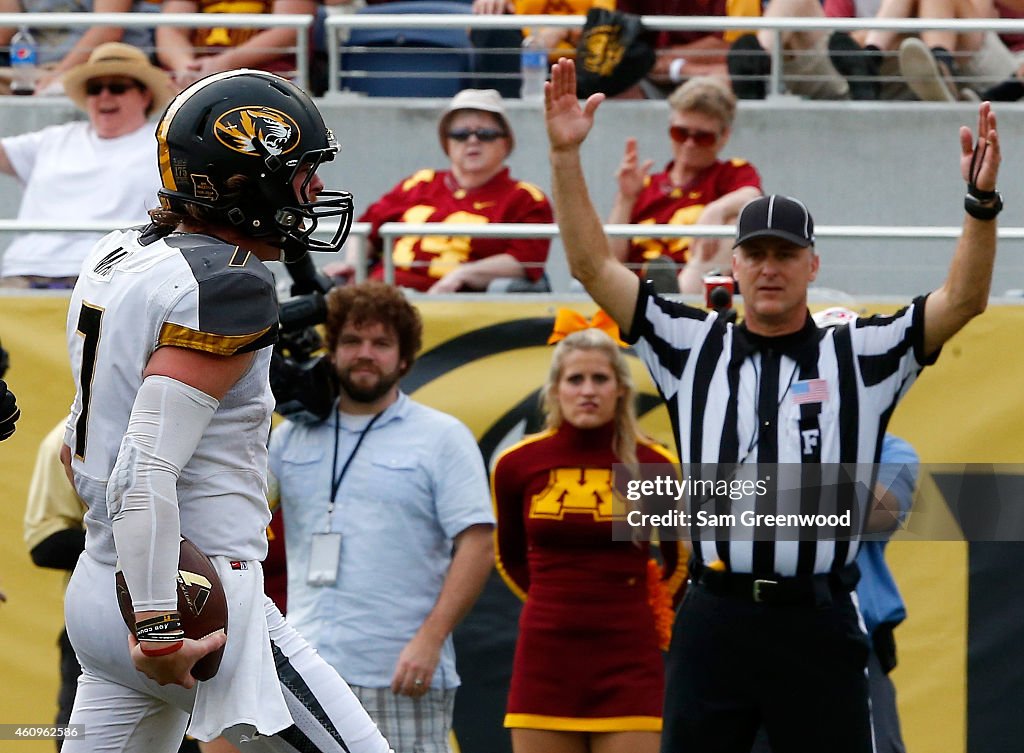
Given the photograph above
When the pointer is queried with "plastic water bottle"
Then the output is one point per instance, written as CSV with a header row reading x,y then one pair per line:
x,y
533,65
23,62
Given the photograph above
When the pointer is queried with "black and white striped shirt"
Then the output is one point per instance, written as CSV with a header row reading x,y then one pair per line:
x,y
817,396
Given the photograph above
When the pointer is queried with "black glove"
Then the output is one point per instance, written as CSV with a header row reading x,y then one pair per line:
x,y
9,411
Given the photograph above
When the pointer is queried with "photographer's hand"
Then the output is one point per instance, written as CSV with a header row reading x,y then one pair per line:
x,y
340,272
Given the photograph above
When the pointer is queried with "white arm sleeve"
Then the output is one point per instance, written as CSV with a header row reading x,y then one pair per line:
x,y
167,421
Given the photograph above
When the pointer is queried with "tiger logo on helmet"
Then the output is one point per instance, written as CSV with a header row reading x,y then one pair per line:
x,y
246,129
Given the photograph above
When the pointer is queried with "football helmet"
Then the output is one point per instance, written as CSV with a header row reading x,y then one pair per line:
x,y
261,127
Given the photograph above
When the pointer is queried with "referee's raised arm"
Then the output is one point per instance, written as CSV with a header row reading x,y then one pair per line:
x,y
605,278
965,292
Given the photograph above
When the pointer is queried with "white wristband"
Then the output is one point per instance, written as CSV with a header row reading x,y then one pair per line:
x,y
675,70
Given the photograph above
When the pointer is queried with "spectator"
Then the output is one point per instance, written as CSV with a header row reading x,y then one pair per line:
x,y
60,50
557,41
695,188
492,43
587,673
877,594
684,54
497,50
931,65
1012,88
476,137
321,38
372,580
63,169
944,65
815,64
867,59
191,54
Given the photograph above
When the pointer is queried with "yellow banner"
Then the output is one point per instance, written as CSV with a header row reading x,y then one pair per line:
x,y
484,362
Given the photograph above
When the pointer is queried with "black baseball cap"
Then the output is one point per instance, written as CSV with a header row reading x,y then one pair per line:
x,y
775,216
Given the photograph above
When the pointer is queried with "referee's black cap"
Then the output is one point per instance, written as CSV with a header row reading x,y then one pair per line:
x,y
775,216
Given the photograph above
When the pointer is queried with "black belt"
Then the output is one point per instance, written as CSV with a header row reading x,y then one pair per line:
x,y
800,590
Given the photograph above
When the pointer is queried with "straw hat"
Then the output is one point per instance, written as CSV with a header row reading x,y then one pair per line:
x,y
117,59
485,100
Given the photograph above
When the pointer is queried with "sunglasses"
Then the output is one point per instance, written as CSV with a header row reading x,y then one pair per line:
x,y
486,135
95,88
700,138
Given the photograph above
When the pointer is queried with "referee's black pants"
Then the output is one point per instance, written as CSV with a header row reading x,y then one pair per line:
x,y
735,665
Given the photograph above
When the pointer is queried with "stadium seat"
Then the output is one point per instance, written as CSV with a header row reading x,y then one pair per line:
x,y
404,62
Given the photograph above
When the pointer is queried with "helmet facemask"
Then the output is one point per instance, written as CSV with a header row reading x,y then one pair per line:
x,y
296,222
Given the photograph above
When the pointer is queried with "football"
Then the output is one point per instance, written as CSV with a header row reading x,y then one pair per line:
x,y
201,602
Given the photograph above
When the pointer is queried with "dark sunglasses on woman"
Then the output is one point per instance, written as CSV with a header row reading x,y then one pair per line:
x,y
117,88
700,137
483,134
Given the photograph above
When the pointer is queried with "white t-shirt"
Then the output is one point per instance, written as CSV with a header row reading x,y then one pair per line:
x,y
69,173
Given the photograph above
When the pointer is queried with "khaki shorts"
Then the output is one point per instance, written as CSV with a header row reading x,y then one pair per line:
x,y
991,64
810,73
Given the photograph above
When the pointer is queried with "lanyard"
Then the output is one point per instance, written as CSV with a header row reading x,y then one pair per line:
x,y
336,480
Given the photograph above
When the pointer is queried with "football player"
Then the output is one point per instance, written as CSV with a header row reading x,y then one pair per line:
x,y
170,331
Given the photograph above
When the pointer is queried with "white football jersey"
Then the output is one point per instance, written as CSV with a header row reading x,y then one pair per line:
x,y
136,293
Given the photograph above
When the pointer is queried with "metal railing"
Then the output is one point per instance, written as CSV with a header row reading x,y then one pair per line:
x,y
391,231
190,20
336,25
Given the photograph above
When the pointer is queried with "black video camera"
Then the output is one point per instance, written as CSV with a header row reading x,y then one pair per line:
x,y
303,383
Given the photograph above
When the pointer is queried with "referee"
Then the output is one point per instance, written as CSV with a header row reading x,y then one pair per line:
x,y
768,633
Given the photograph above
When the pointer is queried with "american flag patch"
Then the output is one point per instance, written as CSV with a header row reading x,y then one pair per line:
x,y
809,391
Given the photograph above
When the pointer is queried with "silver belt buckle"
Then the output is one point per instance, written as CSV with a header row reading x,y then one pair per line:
x,y
758,585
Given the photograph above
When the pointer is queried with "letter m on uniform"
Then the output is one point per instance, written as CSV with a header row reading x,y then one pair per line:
x,y
580,491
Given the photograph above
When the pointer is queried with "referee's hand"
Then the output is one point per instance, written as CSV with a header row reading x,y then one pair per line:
x,y
979,153
9,411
